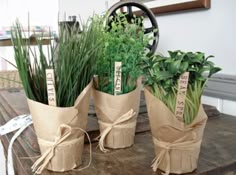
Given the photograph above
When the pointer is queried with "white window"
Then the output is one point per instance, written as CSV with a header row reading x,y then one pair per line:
x,y
40,12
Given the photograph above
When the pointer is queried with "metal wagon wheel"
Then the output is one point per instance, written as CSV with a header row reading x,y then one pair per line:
x,y
136,8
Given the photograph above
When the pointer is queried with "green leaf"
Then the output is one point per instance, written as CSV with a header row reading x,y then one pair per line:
x,y
204,69
210,56
184,66
210,63
174,66
173,54
213,71
164,75
169,60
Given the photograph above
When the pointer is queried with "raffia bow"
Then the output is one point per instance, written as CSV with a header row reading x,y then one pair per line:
x,y
179,144
64,131
117,123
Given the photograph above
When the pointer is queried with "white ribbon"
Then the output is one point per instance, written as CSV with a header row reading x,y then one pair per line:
x,y
15,123
20,122
10,166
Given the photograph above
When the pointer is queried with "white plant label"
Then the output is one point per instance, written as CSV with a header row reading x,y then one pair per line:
x,y
51,87
117,77
181,96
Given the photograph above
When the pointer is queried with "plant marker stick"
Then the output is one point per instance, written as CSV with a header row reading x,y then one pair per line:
x,y
117,77
181,96
51,87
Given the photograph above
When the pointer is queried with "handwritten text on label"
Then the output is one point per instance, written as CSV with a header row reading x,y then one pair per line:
x,y
180,100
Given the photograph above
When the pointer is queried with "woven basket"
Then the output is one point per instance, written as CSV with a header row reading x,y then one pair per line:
x,y
10,79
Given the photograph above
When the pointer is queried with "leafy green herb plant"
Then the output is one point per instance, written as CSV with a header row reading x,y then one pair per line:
x,y
72,57
124,41
162,74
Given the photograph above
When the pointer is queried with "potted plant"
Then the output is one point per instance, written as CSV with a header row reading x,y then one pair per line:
x,y
173,90
57,85
117,89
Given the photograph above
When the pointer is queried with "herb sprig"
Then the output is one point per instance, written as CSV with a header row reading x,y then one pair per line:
x,y
124,41
162,74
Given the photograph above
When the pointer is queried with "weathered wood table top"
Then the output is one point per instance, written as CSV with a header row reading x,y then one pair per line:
x,y
33,41
217,157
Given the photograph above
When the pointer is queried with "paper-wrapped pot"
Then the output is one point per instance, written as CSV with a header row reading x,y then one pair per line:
x,y
177,146
59,133
117,116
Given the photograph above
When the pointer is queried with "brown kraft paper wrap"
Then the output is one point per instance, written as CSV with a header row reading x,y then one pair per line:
x,y
177,146
117,117
60,133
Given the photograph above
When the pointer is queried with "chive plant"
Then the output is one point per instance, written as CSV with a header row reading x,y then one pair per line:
x,y
72,57
124,41
75,64
162,74
31,65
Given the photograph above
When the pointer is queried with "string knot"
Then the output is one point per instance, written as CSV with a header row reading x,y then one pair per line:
x,y
109,126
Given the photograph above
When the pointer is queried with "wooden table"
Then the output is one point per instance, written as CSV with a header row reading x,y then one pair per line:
x,y
33,41
217,157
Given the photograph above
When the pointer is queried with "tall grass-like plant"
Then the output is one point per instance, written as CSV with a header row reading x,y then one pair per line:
x,y
162,74
124,41
76,60
72,58
31,64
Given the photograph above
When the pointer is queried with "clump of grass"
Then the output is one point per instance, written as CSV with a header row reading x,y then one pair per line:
x,y
72,59
124,41
75,65
162,74
31,64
